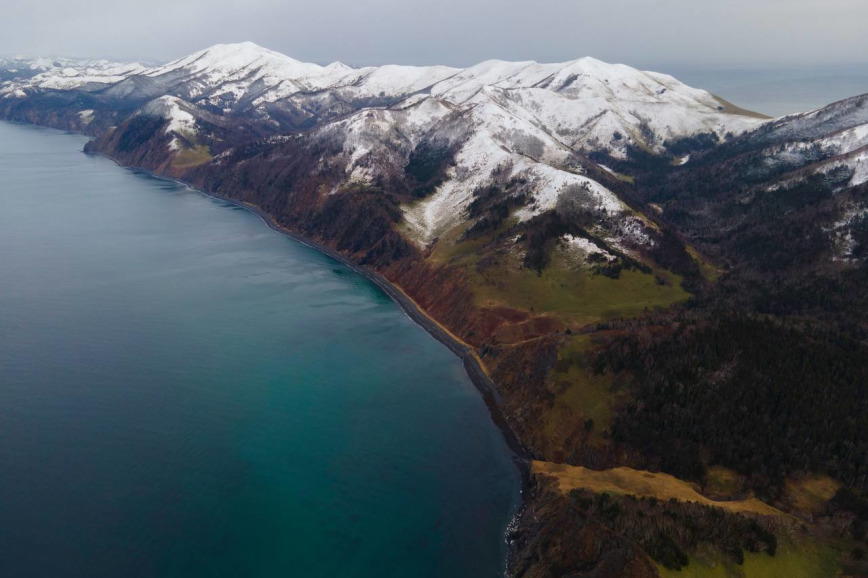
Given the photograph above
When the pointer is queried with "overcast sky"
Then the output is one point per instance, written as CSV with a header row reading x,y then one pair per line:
x,y
646,33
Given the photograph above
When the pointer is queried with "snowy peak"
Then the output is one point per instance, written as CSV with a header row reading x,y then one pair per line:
x,y
232,59
586,100
226,73
274,76
539,119
534,122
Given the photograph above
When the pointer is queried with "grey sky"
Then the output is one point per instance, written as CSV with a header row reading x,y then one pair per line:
x,y
645,33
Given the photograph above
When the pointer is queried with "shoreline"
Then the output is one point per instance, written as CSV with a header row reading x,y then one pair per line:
x,y
472,364
473,367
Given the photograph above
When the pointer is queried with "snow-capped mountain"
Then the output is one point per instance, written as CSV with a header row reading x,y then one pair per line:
x,y
64,74
584,101
820,141
525,121
804,176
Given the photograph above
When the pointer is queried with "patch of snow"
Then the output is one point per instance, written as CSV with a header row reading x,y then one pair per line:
x,y
841,233
586,247
860,165
628,234
172,109
86,116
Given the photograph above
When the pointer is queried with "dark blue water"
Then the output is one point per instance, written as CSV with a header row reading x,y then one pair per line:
x,y
184,392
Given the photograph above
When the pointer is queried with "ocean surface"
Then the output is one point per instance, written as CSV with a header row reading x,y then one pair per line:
x,y
185,392
779,91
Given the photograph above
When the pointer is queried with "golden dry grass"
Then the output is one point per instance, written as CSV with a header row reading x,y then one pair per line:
x,y
730,108
811,493
642,484
189,158
721,483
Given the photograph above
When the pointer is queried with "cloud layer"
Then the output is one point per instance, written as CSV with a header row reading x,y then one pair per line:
x,y
645,33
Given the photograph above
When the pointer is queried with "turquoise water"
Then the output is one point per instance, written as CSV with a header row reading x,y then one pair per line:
x,y
184,392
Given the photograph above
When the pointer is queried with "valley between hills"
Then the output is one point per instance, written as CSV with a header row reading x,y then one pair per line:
x,y
666,292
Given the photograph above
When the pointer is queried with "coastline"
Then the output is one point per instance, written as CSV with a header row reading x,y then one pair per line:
x,y
473,366
472,363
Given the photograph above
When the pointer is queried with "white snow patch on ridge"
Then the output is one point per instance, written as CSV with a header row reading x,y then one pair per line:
x,y
170,108
586,247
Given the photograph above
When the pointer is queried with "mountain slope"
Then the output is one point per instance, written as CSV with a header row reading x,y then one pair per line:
x,y
802,173
541,119
247,75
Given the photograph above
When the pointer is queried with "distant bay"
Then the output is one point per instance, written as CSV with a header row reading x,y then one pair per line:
x,y
185,392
